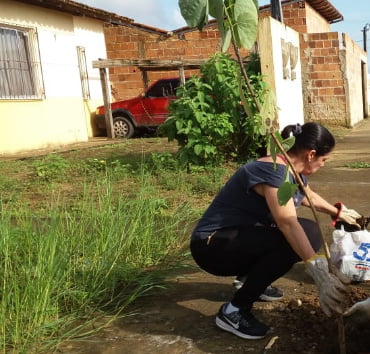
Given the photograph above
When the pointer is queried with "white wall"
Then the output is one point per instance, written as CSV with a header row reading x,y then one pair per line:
x,y
288,91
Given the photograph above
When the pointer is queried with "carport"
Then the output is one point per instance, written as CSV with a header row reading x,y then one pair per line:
x,y
144,65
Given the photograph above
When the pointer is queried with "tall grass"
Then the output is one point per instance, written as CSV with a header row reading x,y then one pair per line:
x,y
66,265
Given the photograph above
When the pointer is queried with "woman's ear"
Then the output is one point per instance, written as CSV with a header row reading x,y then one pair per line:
x,y
311,154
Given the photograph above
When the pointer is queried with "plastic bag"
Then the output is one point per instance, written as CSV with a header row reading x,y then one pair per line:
x,y
350,253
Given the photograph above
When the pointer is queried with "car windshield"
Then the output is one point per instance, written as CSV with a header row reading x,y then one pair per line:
x,y
164,88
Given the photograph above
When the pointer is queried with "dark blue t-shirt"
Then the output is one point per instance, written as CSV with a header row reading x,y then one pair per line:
x,y
238,204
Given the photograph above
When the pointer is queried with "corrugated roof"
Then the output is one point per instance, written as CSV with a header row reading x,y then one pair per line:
x,y
326,10
77,9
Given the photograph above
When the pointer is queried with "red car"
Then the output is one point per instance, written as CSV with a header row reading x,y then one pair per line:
x,y
148,110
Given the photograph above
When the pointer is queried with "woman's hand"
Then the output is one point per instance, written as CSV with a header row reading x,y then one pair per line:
x,y
359,314
349,216
332,287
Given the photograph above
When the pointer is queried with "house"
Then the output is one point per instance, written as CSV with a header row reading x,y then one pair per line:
x,y
48,88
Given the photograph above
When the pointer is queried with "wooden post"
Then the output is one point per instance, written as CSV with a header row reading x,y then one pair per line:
x,y
182,75
107,107
144,74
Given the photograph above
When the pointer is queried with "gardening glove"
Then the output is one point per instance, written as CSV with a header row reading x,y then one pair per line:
x,y
359,314
348,216
332,289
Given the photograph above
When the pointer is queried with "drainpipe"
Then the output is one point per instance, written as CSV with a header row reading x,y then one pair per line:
x,y
276,11
364,32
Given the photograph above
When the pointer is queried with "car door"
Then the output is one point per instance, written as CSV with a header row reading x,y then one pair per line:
x,y
156,100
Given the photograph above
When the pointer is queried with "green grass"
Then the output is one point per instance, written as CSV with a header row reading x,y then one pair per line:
x,y
358,165
83,237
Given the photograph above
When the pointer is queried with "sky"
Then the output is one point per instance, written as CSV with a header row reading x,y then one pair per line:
x,y
165,14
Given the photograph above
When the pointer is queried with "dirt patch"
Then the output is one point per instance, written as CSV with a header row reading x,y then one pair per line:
x,y
180,319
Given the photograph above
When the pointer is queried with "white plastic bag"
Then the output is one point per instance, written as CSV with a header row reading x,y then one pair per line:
x,y
350,252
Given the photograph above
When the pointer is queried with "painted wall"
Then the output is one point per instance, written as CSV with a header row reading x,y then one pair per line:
x,y
282,72
314,21
62,117
356,83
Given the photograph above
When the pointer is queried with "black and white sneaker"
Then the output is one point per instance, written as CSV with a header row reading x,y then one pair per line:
x,y
271,293
239,281
244,325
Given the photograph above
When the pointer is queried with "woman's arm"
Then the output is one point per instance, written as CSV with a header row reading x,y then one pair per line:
x,y
319,203
286,219
338,212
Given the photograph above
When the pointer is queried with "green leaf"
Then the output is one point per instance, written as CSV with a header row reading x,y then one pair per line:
x,y
226,40
256,4
216,9
194,12
288,143
198,149
246,21
274,150
286,191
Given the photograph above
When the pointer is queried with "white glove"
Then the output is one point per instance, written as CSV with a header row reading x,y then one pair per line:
x,y
331,287
359,313
349,216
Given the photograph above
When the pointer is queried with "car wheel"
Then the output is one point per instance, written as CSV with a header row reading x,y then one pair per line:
x,y
123,128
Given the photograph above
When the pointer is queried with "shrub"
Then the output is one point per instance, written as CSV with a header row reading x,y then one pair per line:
x,y
208,120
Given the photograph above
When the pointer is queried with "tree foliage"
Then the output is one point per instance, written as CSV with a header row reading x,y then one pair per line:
x,y
235,18
208,119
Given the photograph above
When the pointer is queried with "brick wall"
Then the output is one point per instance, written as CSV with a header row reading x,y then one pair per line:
x,y
301,17
294,15
322,78
135,43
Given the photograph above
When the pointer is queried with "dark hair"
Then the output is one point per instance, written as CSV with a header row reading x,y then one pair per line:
x,y
310,136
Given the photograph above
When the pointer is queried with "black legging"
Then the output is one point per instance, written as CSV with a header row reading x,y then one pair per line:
x,y
262,253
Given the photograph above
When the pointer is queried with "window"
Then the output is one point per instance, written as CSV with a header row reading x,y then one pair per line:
x,y
82,65
164,88
20,67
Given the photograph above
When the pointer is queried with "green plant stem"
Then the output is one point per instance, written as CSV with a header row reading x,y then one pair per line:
x,y
246,78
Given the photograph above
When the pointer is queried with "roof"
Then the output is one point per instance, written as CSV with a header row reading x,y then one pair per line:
x,y
77,9
323,7
326,10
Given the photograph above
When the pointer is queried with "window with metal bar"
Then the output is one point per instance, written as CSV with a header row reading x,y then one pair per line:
x,y
20,67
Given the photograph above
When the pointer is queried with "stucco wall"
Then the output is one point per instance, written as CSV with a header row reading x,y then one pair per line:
x,y
315,22
354,60
62,117
282,73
